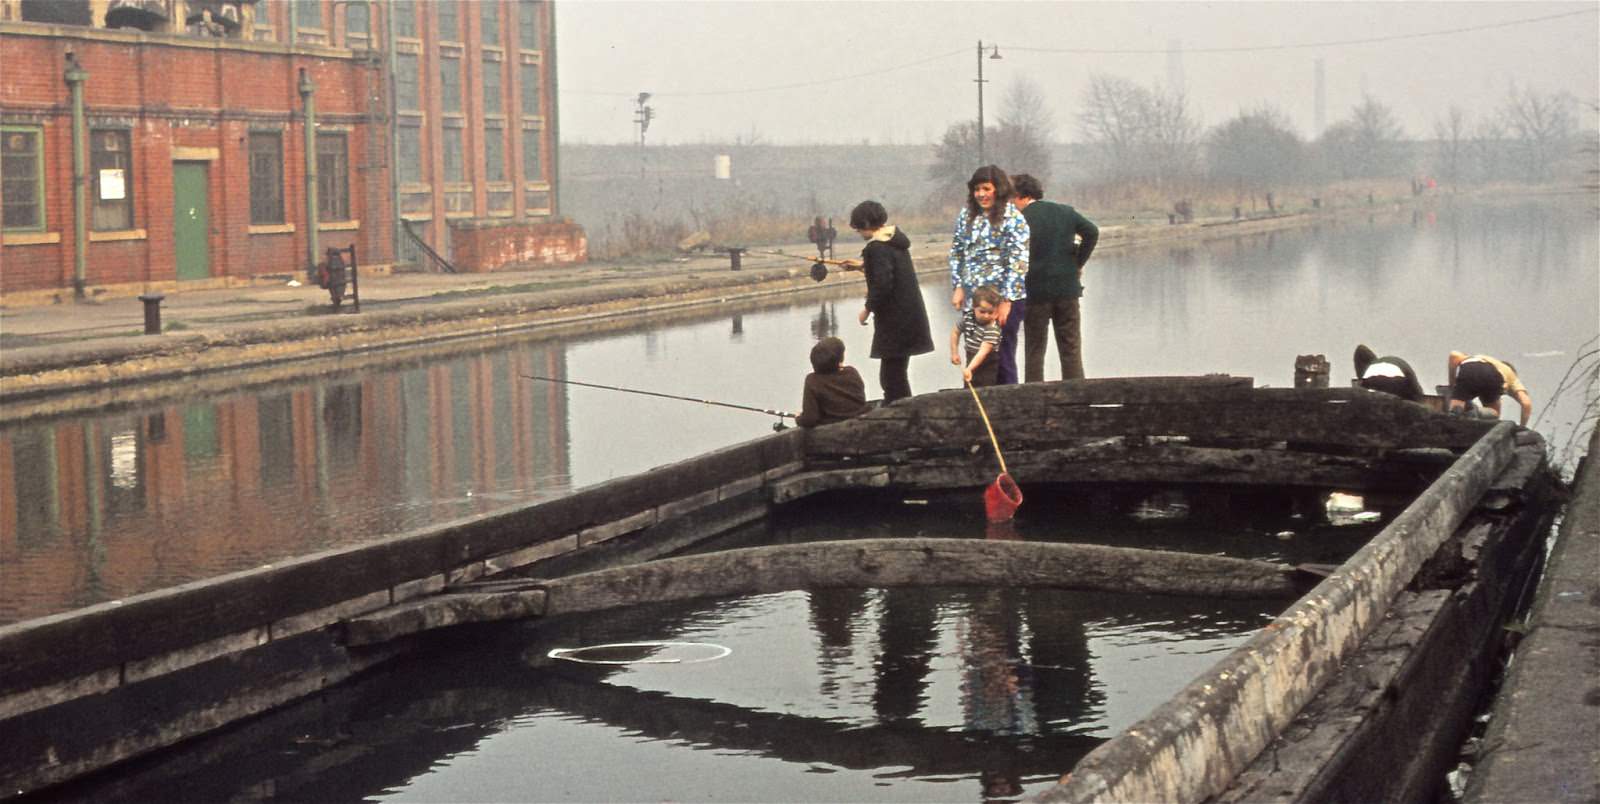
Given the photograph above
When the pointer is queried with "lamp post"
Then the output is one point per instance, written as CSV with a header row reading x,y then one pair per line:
x,y
995,54
643,117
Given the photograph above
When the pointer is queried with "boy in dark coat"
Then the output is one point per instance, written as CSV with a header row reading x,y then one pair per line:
x,y
893,295
833,391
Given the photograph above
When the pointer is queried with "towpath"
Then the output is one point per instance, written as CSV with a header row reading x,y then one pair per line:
x,y
1543,740
51,344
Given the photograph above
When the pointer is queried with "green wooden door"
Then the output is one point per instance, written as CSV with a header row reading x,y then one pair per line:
x,y
191,220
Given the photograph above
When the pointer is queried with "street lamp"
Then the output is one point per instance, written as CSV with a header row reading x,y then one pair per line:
x,y
993,55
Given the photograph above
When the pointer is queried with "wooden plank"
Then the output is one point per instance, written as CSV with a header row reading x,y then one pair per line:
x,y
1039,417
916,562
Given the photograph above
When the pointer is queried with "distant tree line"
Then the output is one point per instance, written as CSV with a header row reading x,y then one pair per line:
x,y
1149,138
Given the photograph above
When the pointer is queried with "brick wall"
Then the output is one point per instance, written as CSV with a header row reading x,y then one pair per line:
x,y
194,100
485,246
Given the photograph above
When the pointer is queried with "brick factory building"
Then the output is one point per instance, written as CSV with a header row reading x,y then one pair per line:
x,y
191,117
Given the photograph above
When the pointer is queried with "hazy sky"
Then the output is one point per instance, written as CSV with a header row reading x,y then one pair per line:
x,y
900,71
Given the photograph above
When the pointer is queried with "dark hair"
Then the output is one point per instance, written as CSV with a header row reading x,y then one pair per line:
x,y
868,215
827,355
1364,357
987,294
1027,186
1002,192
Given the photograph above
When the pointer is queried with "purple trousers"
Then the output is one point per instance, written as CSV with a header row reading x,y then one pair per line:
x,y
1009,331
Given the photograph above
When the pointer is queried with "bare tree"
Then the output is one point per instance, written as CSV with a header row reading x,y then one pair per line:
x,y
1451,133
1365,145
1543,128
1256,150
1019,144
1141,134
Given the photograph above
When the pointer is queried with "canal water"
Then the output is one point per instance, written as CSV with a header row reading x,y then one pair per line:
x,y
100,507
829,695
871,695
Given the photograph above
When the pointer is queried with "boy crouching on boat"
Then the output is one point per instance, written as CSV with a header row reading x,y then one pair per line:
x,y
833,391
978,335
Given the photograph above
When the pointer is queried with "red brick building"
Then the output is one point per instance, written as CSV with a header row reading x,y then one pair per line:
x,y
192,116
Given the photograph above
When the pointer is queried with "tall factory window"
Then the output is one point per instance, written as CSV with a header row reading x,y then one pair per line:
x,y
111,177
529,75
21,178
492,103
358,21
528,25
406,94
494,154
455,171
450,83
449,21
333,177
489,16
308,13
266,177
532,160
410,153
405,17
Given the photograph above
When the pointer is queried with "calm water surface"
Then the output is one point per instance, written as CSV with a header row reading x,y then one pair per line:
x,y
100,507
884,695
830,695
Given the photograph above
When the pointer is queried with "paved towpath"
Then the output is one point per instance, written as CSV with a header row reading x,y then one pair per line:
x,y
1543,740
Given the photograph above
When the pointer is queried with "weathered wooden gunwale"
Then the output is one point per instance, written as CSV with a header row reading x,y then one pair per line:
x,y
122,657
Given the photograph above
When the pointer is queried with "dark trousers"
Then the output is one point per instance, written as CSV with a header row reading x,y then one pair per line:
x,y
1062,314
894,376
986,373
1007,373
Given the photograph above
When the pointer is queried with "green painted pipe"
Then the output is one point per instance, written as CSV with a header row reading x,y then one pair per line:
x,y
75,77
308,92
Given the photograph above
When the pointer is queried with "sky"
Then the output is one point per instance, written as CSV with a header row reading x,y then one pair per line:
x,y
902,71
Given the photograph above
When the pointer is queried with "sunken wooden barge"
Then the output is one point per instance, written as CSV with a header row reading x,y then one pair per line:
x,y
1376,665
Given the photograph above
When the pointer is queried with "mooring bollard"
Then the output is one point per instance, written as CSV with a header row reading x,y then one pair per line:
x,y
734,255
1311,371
152,312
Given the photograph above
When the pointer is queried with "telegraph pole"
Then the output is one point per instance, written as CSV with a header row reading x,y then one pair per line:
x,y
642,117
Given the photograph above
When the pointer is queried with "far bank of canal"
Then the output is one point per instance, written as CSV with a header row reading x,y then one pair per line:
x,y
225,471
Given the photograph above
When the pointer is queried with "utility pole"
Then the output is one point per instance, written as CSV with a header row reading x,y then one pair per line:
x,y
642,117
994,55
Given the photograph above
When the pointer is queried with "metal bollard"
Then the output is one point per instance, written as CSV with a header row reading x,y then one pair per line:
x,y
152,312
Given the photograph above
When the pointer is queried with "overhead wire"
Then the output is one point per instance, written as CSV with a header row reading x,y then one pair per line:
x,y
1100,51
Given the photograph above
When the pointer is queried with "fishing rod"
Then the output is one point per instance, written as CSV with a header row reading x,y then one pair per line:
x,y
779,413
819,265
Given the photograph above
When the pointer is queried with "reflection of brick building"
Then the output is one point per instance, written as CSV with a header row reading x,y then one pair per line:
x,y
192,118
115,505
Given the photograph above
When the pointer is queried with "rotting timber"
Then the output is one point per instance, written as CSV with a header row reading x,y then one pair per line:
x,y
1375,667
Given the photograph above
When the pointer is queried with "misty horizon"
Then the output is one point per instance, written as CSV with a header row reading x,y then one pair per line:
x,y
902,73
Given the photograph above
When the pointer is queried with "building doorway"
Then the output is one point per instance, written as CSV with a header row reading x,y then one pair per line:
x,y
191,220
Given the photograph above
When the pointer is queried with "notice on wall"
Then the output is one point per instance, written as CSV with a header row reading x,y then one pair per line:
x,y
111,185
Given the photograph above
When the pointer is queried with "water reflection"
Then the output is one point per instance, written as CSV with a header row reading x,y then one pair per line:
x,y
925,695
106,507
103,506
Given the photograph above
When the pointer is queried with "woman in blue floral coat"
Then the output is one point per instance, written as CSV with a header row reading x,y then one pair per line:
x,y
990,247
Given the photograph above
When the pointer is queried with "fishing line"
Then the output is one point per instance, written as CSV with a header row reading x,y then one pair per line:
x,y
573,654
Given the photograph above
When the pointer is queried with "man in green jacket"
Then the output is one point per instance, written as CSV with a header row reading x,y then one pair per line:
x,y
1061,243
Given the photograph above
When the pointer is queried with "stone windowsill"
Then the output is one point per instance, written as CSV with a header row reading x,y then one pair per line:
x,y
338,226
29,238
271,228
124,234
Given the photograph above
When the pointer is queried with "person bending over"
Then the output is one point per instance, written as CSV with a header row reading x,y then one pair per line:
x,y
1387,374
977,338
1486,379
